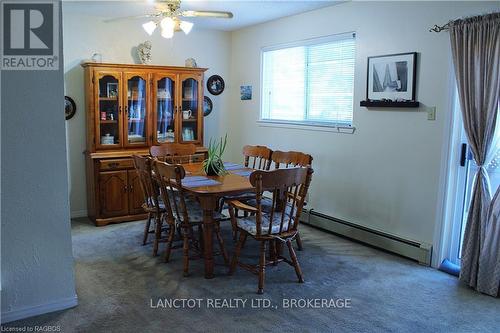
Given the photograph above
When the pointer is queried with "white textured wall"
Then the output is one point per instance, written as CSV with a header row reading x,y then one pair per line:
x,y
386,175
84,35
37,261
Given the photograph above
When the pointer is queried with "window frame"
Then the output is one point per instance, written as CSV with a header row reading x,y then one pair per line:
x,y
305,124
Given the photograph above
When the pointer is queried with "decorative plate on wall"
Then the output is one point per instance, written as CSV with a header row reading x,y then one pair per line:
x,y
69,107
207,106
215,85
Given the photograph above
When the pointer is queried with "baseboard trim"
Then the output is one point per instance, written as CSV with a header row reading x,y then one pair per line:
x,y
78,213
421,252
36,310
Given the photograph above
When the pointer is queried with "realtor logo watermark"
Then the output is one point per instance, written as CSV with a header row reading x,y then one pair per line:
x,y
30,35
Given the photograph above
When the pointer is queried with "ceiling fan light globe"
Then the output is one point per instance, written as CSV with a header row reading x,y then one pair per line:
x,y
167,33
186,26
167,23
149,27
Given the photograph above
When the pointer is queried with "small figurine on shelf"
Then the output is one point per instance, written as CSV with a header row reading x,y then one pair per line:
x,y
190,62
96,57
144,52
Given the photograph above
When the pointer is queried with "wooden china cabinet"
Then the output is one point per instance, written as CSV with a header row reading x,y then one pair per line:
x,y
130,108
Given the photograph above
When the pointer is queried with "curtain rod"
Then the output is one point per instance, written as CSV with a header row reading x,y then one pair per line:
x,y
444,27
439,28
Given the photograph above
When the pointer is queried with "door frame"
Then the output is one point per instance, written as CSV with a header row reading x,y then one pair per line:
x,y
451,179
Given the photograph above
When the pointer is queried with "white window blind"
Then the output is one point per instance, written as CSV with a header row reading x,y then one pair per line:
x,y
310,82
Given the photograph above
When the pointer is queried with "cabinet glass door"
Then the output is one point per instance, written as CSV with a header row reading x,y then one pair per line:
x,y
190,109
108,110
165,109
135,110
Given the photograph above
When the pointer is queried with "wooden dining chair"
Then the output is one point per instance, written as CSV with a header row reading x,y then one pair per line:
x,y
183,213
152,205
282,159
257,157
175,153
287,159
289,188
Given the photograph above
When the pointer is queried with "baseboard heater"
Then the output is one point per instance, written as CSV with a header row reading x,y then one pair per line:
x,y
420,252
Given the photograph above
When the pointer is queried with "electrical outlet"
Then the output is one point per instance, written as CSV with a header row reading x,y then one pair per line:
x,y
431,113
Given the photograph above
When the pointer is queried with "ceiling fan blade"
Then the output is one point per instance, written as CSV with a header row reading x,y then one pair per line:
x,y
129,18
198,13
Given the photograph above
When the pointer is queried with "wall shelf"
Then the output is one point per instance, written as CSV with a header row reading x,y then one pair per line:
x,y
386,104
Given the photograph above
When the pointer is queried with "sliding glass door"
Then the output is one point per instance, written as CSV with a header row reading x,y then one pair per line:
x,y
465,170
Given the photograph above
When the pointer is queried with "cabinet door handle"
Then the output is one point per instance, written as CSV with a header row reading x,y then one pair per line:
x,y
120,109
131,188
125,189
113,165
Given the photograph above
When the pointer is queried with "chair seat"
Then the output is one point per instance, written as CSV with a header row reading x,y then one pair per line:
x,y
267,204
195,212
148,208
249,224
240,196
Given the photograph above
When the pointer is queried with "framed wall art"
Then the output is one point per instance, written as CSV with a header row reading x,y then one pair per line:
x,y
392,77
245,93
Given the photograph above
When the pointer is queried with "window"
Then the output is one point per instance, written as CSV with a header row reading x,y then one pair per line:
x,y
309,82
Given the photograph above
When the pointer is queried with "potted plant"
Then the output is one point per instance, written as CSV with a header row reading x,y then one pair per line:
x,y
213,165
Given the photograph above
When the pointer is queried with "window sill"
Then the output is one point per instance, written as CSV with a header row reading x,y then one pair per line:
x,y
321,127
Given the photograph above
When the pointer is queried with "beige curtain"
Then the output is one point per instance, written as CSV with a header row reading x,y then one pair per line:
x,y
488,277
475,44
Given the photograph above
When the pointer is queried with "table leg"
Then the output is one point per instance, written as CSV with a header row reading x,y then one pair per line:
x,y
208,204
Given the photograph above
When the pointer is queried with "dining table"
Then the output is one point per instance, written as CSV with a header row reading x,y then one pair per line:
x,y
209,190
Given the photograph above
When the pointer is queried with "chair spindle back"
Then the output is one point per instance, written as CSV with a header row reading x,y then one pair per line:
x,y
174,153
289,188
291,159
149,188
170,177
257,157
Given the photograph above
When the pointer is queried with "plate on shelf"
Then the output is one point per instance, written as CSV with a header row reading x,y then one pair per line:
x,y
136,138
207,106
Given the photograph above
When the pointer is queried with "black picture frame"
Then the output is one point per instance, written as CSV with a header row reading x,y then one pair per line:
x,y
377,94
207,106
215,85
69,107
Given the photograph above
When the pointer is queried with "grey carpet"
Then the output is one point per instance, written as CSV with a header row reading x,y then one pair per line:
x,y
116,279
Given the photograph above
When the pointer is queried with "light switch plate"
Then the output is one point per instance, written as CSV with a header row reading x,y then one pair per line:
x,y
431,113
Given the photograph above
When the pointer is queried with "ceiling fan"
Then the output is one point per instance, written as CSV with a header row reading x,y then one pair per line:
x,y
168,18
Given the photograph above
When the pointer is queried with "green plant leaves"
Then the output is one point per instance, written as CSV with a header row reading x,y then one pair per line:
x,y
214,162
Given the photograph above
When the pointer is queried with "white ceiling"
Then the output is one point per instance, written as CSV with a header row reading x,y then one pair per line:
x,y
246,12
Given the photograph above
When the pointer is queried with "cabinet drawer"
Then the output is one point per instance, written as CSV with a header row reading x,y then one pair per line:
x,y
116,164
